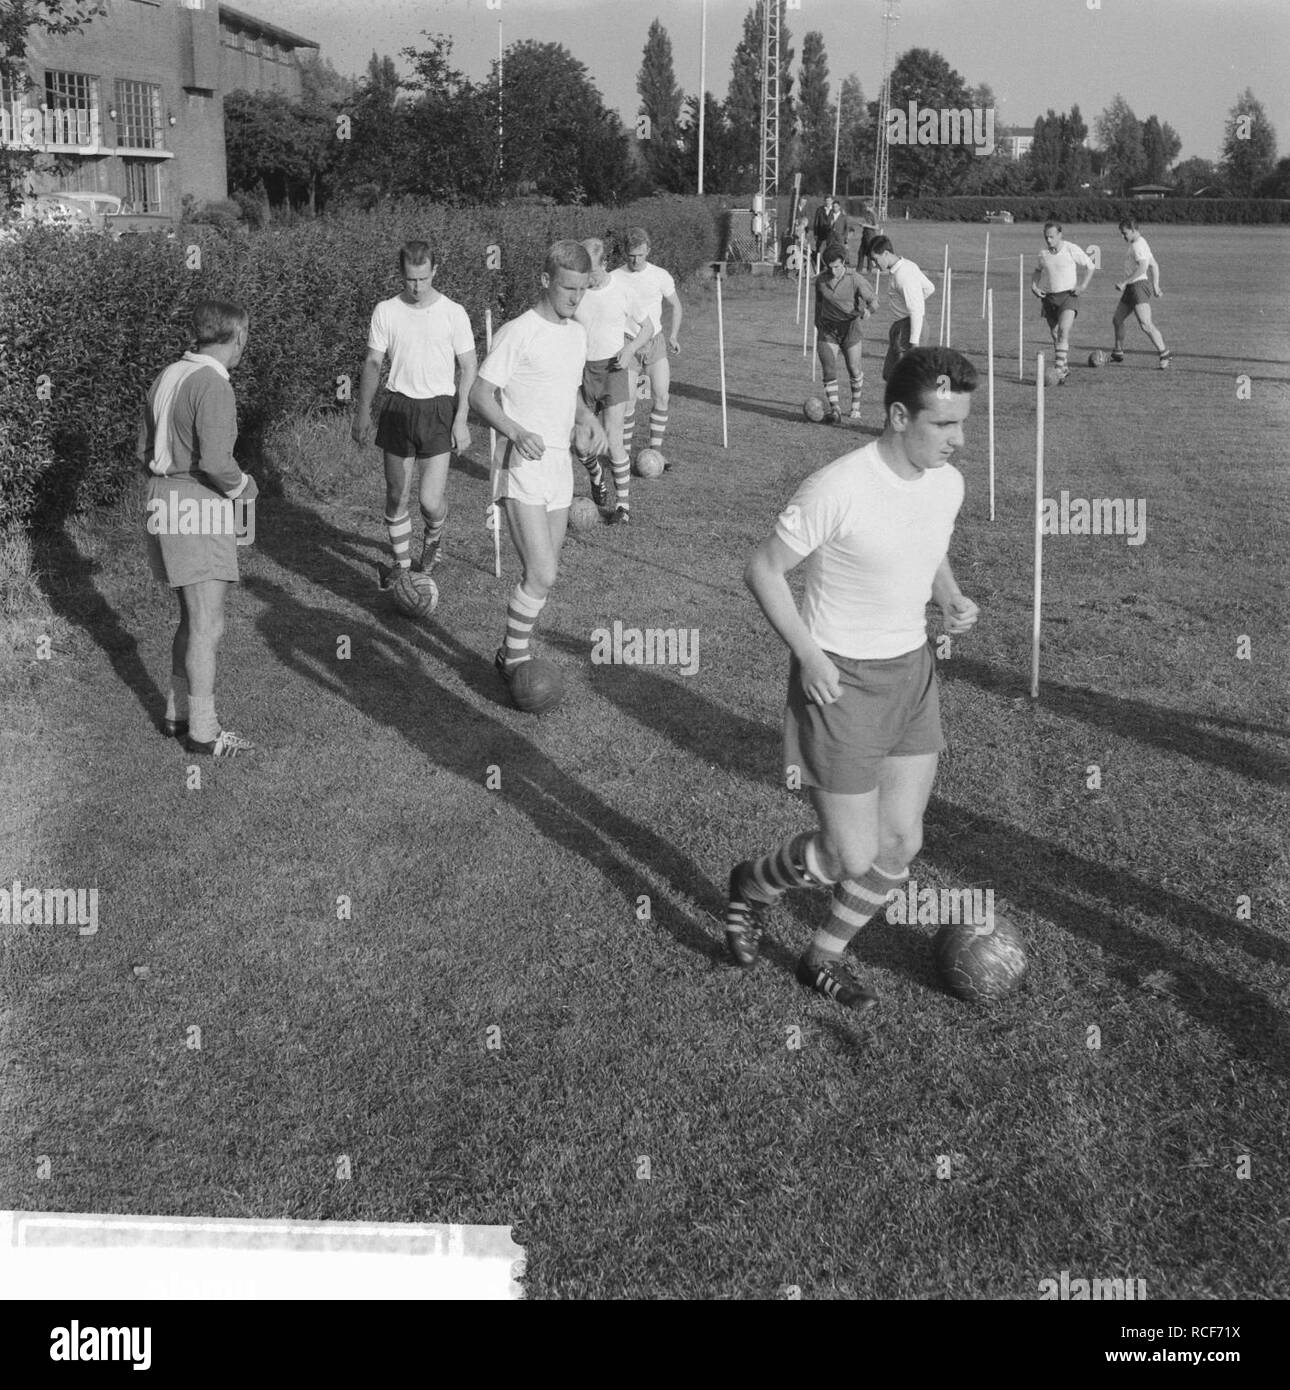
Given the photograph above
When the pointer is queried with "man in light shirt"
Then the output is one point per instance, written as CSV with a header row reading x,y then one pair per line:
x,y
429,342
862,732
1057,282
907,297
1141,281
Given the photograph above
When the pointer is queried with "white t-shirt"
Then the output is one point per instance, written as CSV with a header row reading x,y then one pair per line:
x,y
605,313
423,342
1059,270
874,542
1137,259
646,288
538,367
909,288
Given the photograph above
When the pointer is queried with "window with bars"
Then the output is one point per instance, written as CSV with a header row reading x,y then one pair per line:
x,y
142,185
73,98
138,115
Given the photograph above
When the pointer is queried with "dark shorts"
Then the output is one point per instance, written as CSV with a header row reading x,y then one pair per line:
x,y
1139,292
844,335
603,384
897,345
1054,306
653,351
415,427
887,709
178,559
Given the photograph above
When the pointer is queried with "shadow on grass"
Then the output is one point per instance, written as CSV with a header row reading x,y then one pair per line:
x,y
748,404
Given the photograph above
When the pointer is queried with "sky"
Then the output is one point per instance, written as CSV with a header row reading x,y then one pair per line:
x,y
1185,61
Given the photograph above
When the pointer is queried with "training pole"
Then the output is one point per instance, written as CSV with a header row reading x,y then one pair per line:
x,y
1039,529
945,275
721,357
815,351
985,274
949,305
1021,314
801,267
989,349
494,511
806,316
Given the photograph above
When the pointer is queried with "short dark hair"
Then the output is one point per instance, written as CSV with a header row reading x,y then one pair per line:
x,y
1057,226
567,255
880,245
1127,224
834,251
634,237
415,253
925,369
216,321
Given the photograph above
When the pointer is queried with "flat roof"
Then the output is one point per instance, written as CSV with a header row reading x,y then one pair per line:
x,y
250,21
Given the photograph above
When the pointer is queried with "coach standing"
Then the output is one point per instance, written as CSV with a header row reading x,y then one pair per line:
x,y
187,439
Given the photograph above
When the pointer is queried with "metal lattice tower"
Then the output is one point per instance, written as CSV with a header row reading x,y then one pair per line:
x,y
881,158
770,85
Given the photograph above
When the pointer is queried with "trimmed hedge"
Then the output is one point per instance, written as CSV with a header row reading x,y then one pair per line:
x,y
88,322
1038,207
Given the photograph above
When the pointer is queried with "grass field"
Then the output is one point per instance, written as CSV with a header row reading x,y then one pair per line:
x,y
496,864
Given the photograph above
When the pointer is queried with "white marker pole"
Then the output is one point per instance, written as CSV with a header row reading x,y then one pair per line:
x,y
1021,313
494,511
949,305
989,349
1039,529
801,267
815,351
806,316
985,274
945,275
721,357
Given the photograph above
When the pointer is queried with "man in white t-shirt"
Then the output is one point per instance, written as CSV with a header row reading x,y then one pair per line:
x,y
907,298
1141,281
528,391
862,731
429,342
613,339
649,286
1058,283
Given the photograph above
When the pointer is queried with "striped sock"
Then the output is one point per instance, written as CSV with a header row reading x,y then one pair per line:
x,y
592,465
831,391
856,383
400,529
629,427
521,615
856,901
797,863
1060,355
622,481
657,427
433,538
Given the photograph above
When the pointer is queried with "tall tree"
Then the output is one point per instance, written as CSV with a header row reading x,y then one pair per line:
x,y
1160,147
718,160
450,153
743,101
1119,132
1194,176
1249,146
1077,167
926,79
816,114
856,139
1044,158
661,104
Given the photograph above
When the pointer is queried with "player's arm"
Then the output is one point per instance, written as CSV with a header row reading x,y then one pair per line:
x,y
485,401
467,370
1085,262
216,429
369,379
588,433
766,575
643,336
959,611
1034,282
674,341
866,299
915,296
1153,276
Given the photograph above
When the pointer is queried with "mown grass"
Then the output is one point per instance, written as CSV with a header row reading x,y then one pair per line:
x,y
624,1036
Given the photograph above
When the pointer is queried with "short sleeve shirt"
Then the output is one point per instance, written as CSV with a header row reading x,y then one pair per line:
x,y
538,367
423,342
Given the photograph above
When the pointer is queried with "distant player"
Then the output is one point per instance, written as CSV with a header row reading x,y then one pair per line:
x,y
826,217
1057,282
1141,281
843,300
649,286
528,390
907,298
862,730
606,313
186,442
431,348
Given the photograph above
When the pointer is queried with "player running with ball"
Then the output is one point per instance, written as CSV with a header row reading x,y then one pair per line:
x,y
528,391
862,729
1141,281
649,286
843,300
1055,283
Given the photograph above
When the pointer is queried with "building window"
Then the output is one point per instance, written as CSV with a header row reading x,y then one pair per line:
x,y
142,185
138,115
78,176
73,102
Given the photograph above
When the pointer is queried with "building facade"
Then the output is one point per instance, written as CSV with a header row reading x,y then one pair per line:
x,y
134,103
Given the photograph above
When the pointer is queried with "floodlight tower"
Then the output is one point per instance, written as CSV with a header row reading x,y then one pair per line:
x,y
770,85
881,163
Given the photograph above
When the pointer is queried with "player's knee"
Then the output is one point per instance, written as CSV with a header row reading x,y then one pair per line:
x,y
902,841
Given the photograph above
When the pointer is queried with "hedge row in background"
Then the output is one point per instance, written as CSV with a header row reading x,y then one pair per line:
x,y
1038,207
86,322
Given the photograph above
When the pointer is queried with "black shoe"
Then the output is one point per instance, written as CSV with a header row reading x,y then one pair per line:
x,y
499,663
833,416
1165,358
1117,355
621,516
430,556
174,728
385,575
227,745
830,978
744,917
600,494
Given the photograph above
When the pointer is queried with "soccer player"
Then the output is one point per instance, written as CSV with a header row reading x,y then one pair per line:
x,y
862,728
606,312
907,297
428,339
843,300
528,390
1058,284
1141,281
648,286
186,441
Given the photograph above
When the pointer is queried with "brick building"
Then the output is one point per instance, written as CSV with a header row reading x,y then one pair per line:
x,y
134,103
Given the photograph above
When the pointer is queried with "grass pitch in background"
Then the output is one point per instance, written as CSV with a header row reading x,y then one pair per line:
x,y
648,1123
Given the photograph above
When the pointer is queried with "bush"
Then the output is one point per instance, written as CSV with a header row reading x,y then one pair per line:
x,y
1039,207
98,319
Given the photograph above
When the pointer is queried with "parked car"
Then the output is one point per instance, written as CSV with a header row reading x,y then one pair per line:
x,y
998,217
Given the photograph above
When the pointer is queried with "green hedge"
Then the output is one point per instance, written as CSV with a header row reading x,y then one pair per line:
x,y
87,323
1036,207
